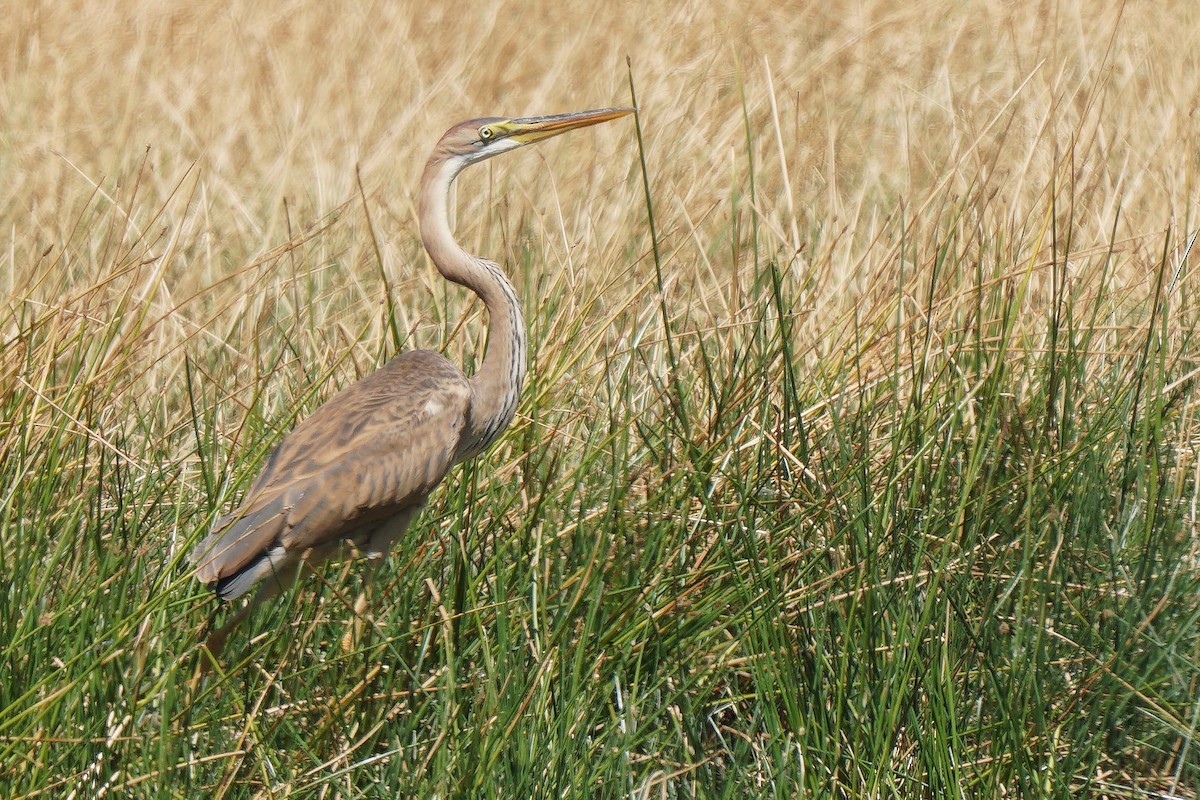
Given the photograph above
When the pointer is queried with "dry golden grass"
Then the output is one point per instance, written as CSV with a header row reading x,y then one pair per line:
x,y
176,148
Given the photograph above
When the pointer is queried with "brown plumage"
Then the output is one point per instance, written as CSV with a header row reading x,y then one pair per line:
x,y
343,471
355,473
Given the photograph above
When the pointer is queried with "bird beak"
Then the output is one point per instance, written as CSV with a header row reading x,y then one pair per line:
x,y
533,129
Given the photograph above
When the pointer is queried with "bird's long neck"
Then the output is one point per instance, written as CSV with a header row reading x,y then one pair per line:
x,y
496,386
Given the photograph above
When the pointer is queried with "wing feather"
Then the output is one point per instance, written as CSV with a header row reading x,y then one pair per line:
x,y
371,451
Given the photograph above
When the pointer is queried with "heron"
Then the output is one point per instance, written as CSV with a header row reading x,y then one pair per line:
x,y
352,476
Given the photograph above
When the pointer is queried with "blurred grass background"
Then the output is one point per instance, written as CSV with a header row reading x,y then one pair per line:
x,y
878,480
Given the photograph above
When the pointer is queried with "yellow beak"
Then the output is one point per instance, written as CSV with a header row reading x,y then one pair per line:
x,y
533,129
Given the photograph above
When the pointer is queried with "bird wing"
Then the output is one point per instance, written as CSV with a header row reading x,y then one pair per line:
x,y
374,449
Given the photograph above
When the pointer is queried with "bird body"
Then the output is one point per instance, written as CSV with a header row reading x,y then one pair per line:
x,y
372,452
359,469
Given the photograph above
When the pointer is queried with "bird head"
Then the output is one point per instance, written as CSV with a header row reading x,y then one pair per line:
x,y
480,139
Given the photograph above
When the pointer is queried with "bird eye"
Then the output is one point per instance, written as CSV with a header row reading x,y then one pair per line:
x,y
486,133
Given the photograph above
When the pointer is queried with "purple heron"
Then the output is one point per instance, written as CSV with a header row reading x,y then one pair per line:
x,y
353,475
